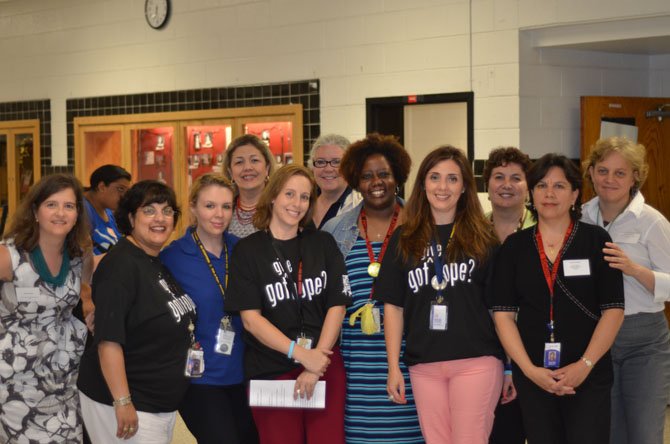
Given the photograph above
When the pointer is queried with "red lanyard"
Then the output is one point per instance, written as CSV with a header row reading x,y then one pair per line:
x,y
550,277
368,244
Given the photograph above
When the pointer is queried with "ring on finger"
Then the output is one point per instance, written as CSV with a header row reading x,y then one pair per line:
x,y
297,391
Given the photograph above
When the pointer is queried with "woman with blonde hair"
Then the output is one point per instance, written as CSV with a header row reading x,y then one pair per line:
x,y
640,248
215,407
290,286
432,282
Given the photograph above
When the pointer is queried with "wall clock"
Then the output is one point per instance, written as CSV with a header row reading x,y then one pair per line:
x,y
157,12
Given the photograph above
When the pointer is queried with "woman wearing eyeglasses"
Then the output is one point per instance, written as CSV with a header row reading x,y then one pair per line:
x,y
335,197
134,377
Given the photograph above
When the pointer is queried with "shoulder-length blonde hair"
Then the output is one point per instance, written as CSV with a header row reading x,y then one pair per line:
x,y
473,237
278,180
25,229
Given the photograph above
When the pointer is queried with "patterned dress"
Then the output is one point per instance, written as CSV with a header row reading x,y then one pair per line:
x,y
41,343
369,416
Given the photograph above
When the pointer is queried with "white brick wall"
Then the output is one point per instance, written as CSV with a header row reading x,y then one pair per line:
x,y
359,48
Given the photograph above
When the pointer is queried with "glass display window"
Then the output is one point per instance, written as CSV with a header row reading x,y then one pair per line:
x,y
19,163
154,154
206,145
277,135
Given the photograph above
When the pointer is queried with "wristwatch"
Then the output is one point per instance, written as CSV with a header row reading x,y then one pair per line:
x,y
587,361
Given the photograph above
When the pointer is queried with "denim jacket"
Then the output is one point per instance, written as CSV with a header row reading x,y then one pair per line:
x,y
344,227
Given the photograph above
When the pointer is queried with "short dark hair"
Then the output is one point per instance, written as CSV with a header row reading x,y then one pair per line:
x,y
143,193
107,174
247,139
503,156
541,167
375,143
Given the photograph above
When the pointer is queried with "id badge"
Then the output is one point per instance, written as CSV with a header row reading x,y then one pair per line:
x,y
552,354
305,342
195,363
377,317
439,317
225,337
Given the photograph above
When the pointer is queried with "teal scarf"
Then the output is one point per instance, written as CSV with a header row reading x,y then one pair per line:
x,y
43,270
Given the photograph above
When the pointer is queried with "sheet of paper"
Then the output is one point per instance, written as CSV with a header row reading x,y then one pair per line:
x,y
609,129
280,394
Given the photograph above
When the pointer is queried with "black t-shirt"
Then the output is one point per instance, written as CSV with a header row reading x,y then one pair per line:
x,y
257,283
139,305
470,332
520,285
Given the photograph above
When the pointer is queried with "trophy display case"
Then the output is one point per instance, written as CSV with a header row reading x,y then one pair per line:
x,y
178,147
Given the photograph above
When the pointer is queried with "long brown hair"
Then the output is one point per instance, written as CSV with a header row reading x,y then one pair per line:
x,y
263,214
26,231
473,237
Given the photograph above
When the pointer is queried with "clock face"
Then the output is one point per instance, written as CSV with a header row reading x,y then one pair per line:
x,y
157,12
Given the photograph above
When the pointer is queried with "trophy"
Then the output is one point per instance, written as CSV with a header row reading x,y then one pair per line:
x,y
196,140
208,140
160,143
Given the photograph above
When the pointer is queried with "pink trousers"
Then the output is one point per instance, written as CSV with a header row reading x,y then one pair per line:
x,y
456,399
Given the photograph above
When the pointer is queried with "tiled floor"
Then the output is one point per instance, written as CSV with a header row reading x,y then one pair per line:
x,y
182,436
181,433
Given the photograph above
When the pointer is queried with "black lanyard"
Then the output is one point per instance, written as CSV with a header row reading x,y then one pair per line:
x,y
196,238
296,290
438,262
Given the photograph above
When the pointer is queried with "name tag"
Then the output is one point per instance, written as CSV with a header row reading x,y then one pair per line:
x,y
627,238
576,267
25,295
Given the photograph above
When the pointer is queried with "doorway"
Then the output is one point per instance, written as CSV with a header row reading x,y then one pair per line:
x,y
424,122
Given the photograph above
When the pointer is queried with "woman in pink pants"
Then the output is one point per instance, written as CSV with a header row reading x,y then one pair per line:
x,y
432,282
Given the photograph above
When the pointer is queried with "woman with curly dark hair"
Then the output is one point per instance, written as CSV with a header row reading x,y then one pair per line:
x,y
376,167
42,259
432,282
505,180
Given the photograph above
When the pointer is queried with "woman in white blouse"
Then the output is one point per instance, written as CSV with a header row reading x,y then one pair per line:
x,y
617,169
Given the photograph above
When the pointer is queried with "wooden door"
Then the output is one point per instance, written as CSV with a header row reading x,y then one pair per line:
x,y
653,133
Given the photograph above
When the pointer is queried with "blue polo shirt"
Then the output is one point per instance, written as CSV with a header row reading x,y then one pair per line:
x,y
185,261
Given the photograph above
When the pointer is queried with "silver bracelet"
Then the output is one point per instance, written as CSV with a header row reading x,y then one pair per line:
x,y
124,400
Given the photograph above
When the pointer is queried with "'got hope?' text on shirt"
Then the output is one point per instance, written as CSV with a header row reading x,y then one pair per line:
x,y
452,272
278,291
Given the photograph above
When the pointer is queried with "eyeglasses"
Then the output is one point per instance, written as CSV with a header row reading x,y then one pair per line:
x,y
149,211
321,163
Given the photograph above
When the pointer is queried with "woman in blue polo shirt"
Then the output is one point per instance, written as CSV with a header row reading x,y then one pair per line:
x,y
215,408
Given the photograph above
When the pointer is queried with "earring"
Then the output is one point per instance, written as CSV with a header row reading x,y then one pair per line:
x,y
397,190
572,208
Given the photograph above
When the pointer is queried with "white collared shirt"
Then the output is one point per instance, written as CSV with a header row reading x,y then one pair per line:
x,y
644,235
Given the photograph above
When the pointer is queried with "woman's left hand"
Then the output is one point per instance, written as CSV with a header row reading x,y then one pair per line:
x,y
618,259
304,385
572,375
508,390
